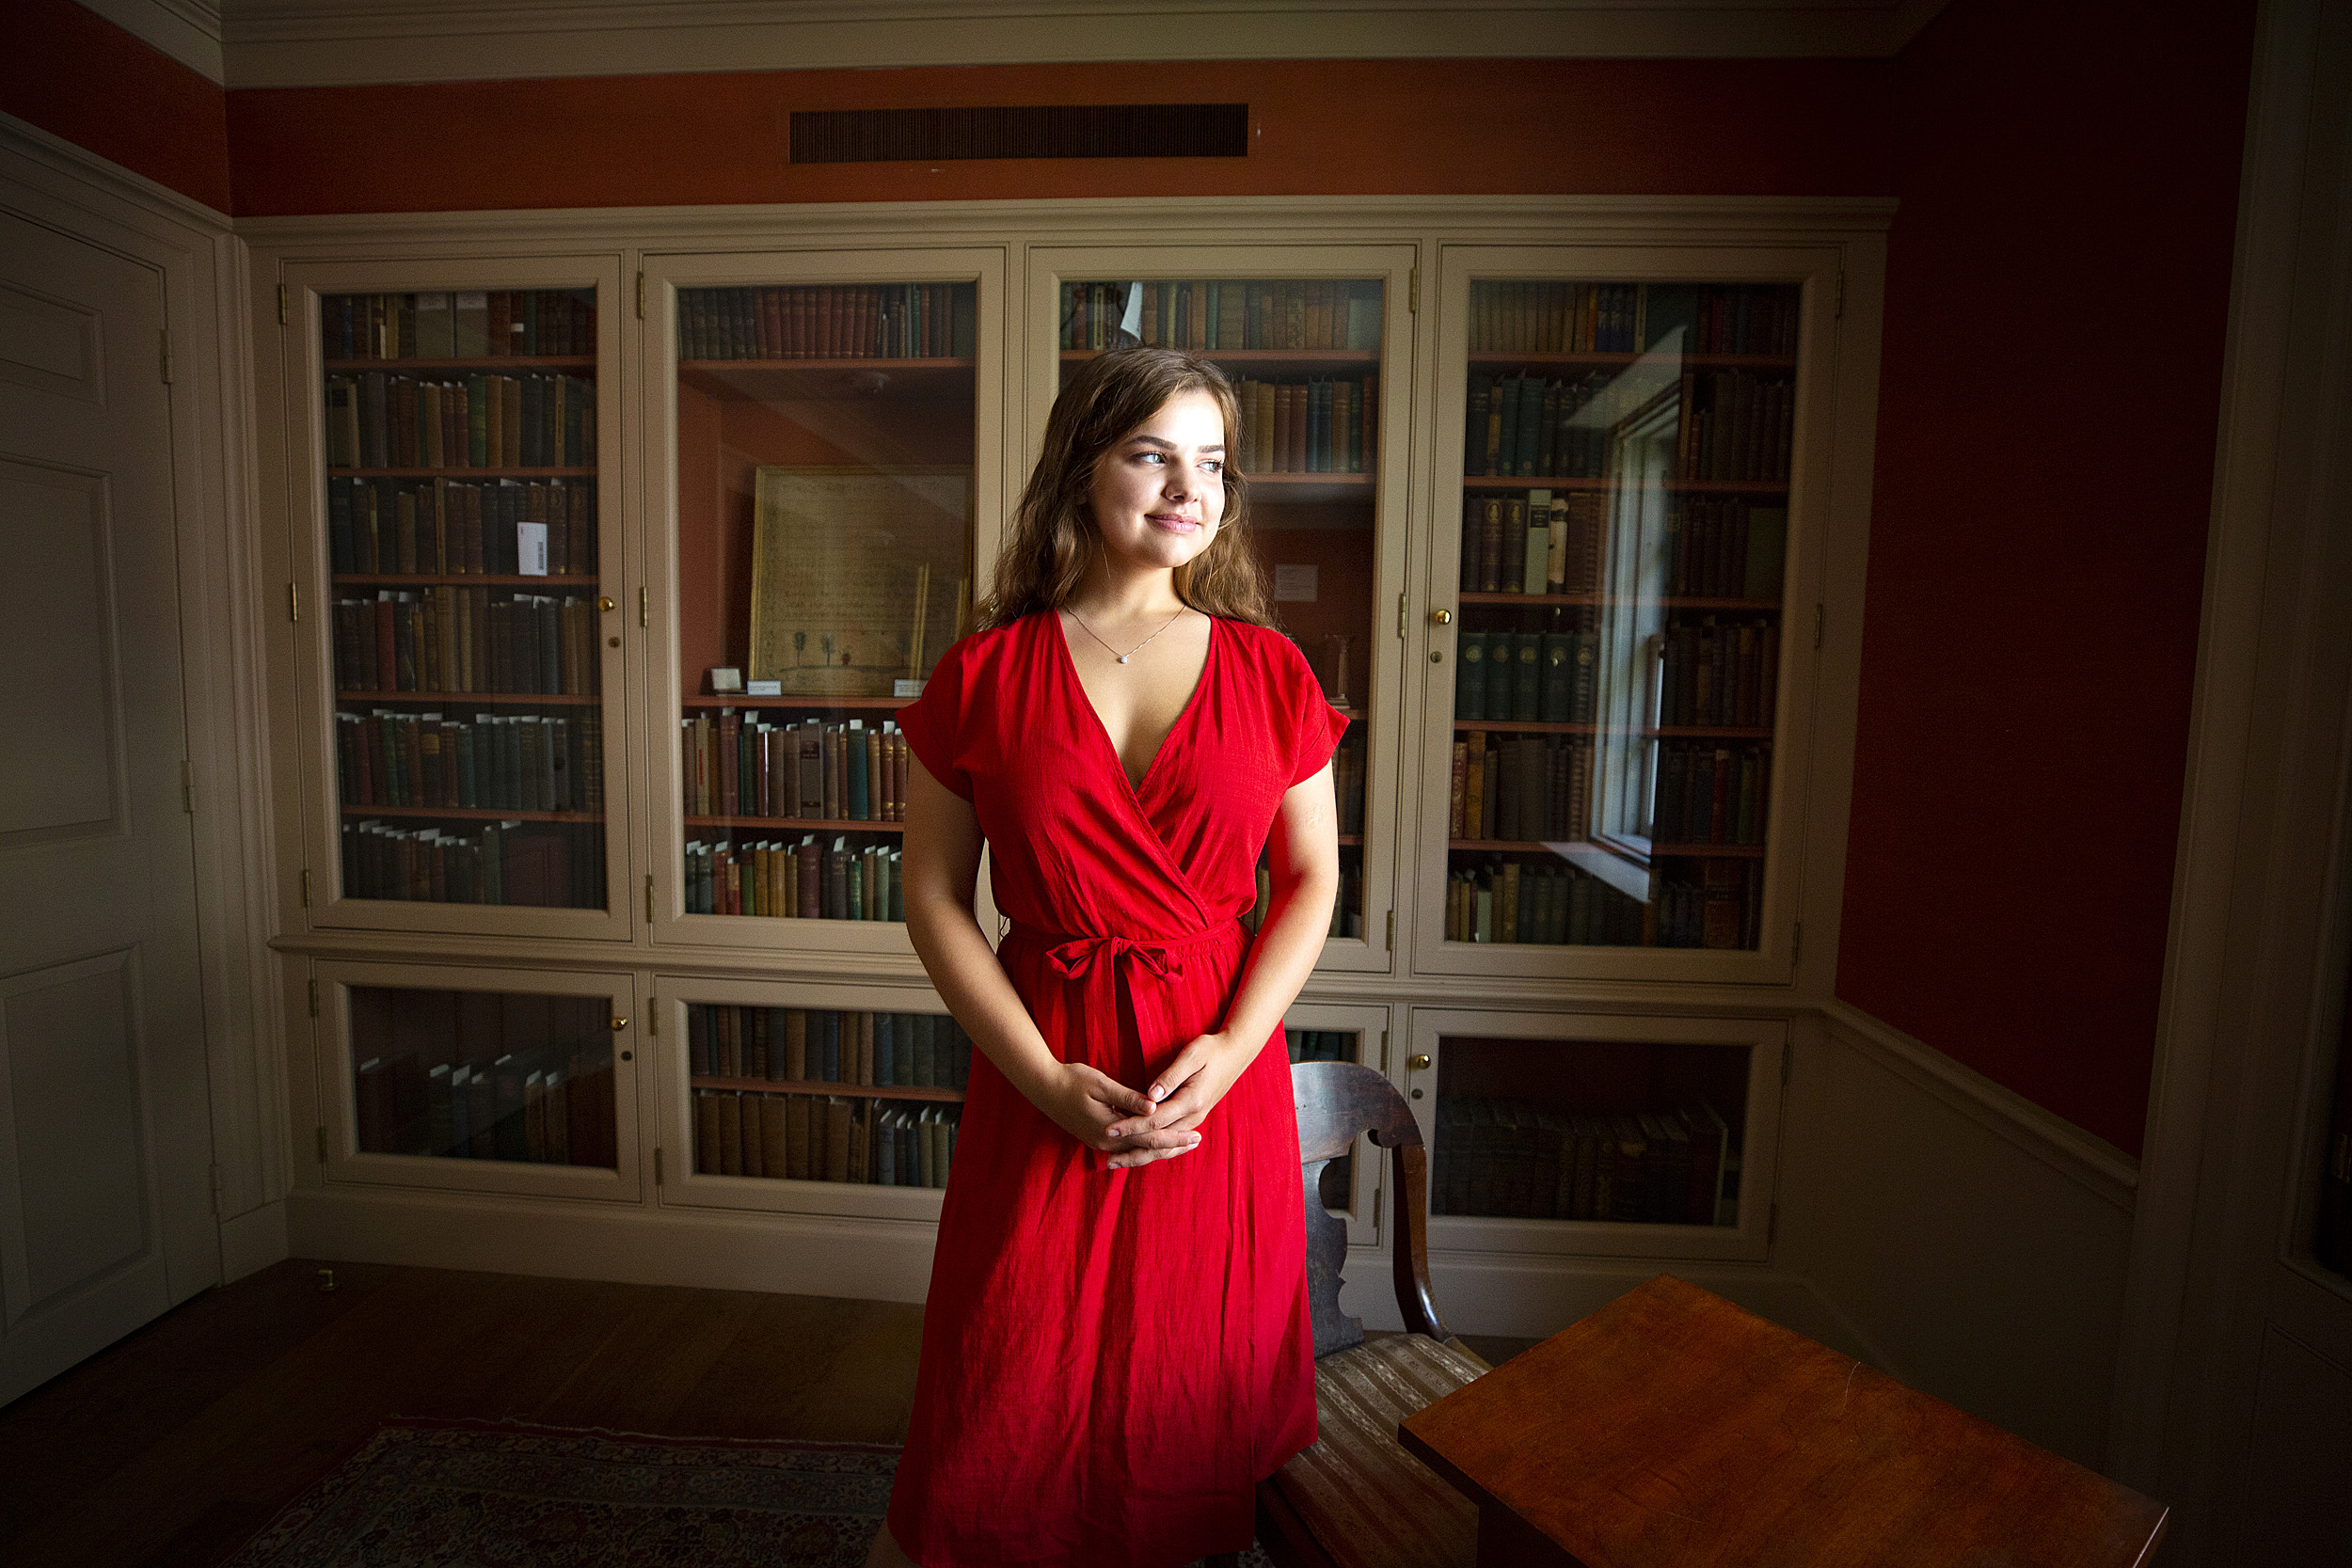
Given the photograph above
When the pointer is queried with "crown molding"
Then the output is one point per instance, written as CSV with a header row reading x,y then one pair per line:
x,y
290,43
188,30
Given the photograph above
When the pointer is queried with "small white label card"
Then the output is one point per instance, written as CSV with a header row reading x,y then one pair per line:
x,y
531,550
1294,584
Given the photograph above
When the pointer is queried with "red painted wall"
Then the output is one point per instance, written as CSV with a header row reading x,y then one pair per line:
x,y
1807,127
2058,280
77,75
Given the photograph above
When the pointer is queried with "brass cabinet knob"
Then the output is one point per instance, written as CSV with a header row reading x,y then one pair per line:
x,y
619,1024
1442,617
1416,1062
605,604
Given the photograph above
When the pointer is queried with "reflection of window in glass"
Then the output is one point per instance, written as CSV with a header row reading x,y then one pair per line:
x,y
482,1075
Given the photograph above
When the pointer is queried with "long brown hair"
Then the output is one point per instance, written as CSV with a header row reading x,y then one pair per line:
x,y
1052,535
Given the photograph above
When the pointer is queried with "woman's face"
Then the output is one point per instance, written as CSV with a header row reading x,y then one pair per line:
x,y
1159,491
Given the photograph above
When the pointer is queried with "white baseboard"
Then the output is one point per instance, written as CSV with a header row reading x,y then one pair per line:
x,y
252,1242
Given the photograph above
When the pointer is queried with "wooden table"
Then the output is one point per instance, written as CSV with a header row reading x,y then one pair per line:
x,y
1672,1428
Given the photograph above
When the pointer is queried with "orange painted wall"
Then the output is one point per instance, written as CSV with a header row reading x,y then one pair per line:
x,y
1807,127
77,75
2058,280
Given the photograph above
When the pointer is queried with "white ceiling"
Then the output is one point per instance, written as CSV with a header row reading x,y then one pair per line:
x,y
265,44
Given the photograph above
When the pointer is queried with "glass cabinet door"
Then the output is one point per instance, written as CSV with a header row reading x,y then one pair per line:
x,y
1318,346
1637,1136
483,1080
1612,556
466,623
832,460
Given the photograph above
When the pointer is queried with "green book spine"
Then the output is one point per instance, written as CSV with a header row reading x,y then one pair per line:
x,y
1469,675
1531,408
1558,684
1527,684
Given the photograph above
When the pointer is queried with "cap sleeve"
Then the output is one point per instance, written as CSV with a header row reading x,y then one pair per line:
x,y
933,722
1316,725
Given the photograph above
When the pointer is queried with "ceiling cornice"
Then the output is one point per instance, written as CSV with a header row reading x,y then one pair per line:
x,y
297,44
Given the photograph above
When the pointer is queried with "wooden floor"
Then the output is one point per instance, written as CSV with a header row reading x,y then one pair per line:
x,y
167,1450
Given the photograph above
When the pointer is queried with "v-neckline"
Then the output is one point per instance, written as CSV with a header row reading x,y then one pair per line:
x,y
1119,763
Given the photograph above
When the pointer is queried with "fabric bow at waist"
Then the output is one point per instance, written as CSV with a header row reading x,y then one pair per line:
x,y
1095,963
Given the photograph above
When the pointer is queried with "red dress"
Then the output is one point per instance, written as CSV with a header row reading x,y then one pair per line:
x,y
1112,1358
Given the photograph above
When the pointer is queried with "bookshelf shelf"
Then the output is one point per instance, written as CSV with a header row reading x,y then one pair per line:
x,y
463,579
1738,607
804,824
473,814
1498,357
825,1086
511,699
1673,486
581,362
461,473
737,700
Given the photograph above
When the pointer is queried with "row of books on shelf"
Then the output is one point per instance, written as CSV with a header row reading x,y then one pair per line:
x,y
1217,314
1719,671
494,641
807,881
462,324
1318,425
1736,425
549,1105
1518,899
459,528
1539,543
829,320
1517,1159
828,1045
1521,790
1711,793
545,866
800,1137
1724,548
739,765
1320,1045
1530,677
1526,426
1532,316
380,420
390,758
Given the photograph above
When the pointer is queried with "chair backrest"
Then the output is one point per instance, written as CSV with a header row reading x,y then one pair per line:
x,y
1338,1100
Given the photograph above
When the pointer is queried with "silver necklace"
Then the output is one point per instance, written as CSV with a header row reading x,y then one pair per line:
x,y
1138,647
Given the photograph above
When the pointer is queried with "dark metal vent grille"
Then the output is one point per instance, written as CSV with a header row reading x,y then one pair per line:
x,y
1054,131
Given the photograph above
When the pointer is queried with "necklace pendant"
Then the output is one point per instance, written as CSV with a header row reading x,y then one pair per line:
x,y
1123,658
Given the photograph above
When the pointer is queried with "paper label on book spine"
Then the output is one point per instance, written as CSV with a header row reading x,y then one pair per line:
x,y
531,550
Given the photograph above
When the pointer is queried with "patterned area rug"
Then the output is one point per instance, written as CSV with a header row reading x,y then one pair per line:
x,y
499,1495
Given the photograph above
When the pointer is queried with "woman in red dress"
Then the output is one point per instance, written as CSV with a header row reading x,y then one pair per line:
x,y
1116,1345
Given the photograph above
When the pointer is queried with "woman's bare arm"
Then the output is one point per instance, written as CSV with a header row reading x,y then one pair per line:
x,y
940,869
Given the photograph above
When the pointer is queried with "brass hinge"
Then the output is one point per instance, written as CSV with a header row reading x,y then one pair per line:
x,y
657,1164
188,788
322,1131
1391,931
1400,617
1820,623
1412,291
293,602
305,887
1840,312
641,297
644,605
163,338
314,999
648,898
282,305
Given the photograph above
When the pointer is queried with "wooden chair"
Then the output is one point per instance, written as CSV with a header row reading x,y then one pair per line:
x,y
1357,1499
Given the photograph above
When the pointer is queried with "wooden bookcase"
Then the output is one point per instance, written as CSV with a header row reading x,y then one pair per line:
x,y
700,383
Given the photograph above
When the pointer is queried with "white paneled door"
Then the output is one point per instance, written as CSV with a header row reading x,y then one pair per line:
x,y
105,1142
